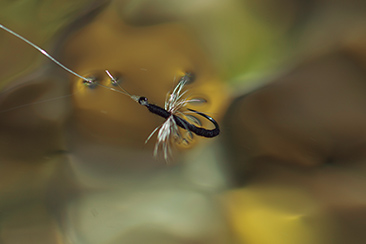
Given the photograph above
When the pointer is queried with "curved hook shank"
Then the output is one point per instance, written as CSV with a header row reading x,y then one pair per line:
x,y
184,124
199,130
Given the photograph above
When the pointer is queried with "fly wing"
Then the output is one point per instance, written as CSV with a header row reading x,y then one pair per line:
x,y
196,101
193,119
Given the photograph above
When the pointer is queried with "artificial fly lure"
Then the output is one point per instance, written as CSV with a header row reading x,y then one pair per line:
x,y
176,115
175,110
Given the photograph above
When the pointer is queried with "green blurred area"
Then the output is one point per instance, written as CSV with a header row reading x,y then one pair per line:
x,y
40,22
238,42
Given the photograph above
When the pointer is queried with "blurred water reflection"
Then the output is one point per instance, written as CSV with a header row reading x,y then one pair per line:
x,y
288,167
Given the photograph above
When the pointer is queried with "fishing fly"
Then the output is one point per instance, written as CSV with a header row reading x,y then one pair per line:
x,y
174,113
177,115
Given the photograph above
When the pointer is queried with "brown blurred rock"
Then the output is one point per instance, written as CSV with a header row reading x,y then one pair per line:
x,y
306,129
311,116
